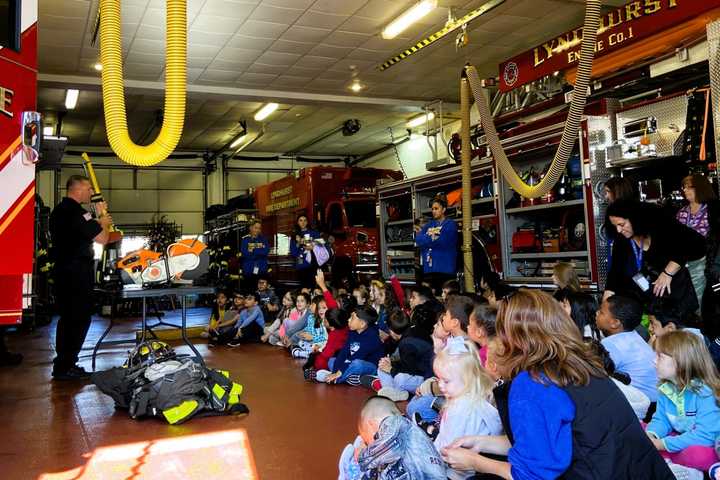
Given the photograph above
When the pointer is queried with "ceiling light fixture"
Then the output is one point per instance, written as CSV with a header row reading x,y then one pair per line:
x,y
48,131
411,15
238,140
265,111
450,27
419,120
356,86
71,98
98,67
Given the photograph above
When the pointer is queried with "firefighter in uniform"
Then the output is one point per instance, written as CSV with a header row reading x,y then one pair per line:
x,y
73,231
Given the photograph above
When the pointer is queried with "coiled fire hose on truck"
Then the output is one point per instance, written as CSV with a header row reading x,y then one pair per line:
x,y
112,85
572,124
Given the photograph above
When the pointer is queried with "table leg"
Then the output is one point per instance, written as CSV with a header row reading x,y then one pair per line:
x,y
107,330
184,333
144,320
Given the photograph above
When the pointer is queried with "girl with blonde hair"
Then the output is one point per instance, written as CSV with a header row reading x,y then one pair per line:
x,y
467,389
562,415
687,420
565,277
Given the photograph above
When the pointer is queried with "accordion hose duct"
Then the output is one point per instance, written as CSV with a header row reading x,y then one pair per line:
x,y
113,92
572,124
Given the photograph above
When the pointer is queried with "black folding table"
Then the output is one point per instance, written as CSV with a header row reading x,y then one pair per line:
x,y
133,292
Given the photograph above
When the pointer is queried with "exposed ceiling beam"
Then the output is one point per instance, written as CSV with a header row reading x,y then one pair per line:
x,y
237,93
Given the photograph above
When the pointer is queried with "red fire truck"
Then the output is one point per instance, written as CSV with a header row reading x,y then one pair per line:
x,y
19,144
340,203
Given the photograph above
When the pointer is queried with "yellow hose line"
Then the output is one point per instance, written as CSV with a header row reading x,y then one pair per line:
x,y
112,85
572,124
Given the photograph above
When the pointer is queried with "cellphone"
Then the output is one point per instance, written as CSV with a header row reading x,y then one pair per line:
x,y
641,281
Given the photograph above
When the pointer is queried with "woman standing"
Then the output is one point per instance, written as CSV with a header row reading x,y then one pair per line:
x,y
562,415
701,215
437,241
301,246
650,254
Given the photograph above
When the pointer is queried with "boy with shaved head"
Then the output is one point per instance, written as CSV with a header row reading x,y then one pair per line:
x,y
390,447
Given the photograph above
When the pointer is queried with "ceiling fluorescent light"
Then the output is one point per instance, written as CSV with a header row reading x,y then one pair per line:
x,y
417,121
265,111
412,15
71,98
239,139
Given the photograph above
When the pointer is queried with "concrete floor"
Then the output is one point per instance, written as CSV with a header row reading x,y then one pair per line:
x,y
296,429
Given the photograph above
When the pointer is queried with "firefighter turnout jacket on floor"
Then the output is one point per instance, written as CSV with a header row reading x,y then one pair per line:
x,y
155,383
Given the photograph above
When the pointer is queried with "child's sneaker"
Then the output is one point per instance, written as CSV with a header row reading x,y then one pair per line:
x,y
714,471
235,342
371,381
298,352
394,394
310,374
682,472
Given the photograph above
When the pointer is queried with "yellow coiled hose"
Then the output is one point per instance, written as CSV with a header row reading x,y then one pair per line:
x,y
572,124
112,85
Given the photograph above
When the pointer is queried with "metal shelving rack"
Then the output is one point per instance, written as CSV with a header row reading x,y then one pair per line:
x,y
399,257
534,269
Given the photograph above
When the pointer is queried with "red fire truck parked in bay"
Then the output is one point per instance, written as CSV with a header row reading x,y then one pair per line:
x,y
20,131
340,203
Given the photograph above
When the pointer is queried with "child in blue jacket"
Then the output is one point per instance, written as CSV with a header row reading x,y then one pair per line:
x,y
360,354
251,322
687,421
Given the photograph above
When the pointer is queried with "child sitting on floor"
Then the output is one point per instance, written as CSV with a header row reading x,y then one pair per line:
x,y
424,406
456,318
297,320
413,363
481,328
250,324
222,321
272,332
687,420
360,354
663,321
238,303
467,388
217,313
389,447
361,295
315,335
336,322
617,319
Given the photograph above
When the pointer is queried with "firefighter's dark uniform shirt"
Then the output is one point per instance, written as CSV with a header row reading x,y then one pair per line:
x,y
72,230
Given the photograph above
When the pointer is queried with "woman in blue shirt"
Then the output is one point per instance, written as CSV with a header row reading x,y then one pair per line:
x,y
562,415
301,251
437,241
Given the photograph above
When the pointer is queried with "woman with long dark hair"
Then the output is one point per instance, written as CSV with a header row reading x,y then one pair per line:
x,y
301,245
650,254
562,415
616,188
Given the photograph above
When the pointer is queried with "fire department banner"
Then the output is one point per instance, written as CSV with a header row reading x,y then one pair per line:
x,y
619,28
